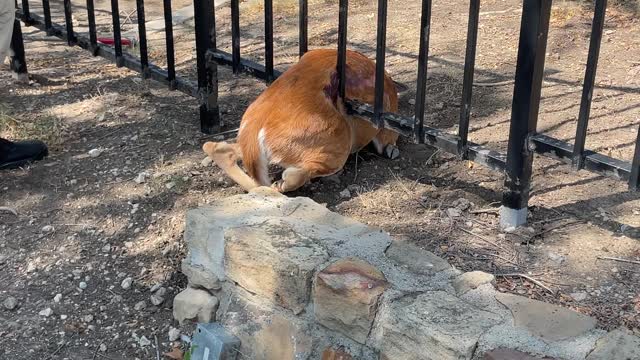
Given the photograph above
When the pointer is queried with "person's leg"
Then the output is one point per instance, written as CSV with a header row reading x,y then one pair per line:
x,y
7,17
20,153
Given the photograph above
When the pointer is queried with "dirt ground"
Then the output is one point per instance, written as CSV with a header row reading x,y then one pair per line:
x,y
86,223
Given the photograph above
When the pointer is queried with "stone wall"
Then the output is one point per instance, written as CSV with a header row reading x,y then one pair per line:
x,y
293,280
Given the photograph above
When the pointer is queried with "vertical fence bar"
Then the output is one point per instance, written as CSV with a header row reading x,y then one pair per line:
x,y
46,9
303,25
421,84
268,40
589,81
142,34
117,39
168,31
378,103
235,35
18,63
342,47
68,20
91,17
207,67
467,83
634,177
25,11
532,45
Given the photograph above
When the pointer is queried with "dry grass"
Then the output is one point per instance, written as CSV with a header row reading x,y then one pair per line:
x,y
46,127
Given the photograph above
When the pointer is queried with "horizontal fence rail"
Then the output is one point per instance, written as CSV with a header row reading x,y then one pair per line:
x,y
523,140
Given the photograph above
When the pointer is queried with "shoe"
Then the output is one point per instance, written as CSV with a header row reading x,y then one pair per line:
x,y
20,153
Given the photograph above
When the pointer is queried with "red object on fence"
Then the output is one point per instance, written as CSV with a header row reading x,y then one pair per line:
x,y
111,41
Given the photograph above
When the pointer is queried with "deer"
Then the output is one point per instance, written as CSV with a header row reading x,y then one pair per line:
x,y
300,124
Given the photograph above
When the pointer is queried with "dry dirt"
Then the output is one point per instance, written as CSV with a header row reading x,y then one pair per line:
x,y
85,222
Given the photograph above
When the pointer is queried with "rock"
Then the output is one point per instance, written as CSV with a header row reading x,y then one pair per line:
x,y
156,299
345,194
415,259
63,317
346,297
194,303
95,152
47,229
546,321
57,298
435,320
103,348
199,277
106,248
82,285
206,162
174,334
170,185
126,283
10,303
46,312
412,101
88,318
139,306
333,354
274,262
462,204
557,258
508,354
141,178
144,342
618,344
579,296
471,280
454,212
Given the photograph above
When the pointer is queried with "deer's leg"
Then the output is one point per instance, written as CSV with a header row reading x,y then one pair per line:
x,y
226,156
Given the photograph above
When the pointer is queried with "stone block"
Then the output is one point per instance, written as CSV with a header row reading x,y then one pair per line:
x,y
619,344
212,341
415,259
346,297
194,304
273,261
430,326
546,321
471,280
199,277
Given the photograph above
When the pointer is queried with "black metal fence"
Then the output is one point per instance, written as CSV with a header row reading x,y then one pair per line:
x,y
523,141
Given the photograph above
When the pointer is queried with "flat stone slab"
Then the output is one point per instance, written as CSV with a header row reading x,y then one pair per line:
x,y
546,321
472,280
414,258
619,344
436,325
508,354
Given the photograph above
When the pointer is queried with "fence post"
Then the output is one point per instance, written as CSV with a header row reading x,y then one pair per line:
x,y
532,45
18,62
207,66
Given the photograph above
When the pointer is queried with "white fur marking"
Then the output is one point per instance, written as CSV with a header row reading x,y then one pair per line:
x,y
264,159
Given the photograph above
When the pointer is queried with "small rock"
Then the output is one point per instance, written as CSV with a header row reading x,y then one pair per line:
x,y
170,185
57,298
439,106
155,288
194,303
10,303
141,178
174,334
82,285
454,212
412,101
95,152
63,317
139,306
103,348
345,194
106,248
156,300
462,204
126,283
144,342
472,280
161,291
206,162
579,296
47,229
557,258
46,312
88,318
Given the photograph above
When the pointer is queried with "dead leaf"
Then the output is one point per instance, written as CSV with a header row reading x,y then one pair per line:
x,y
175,354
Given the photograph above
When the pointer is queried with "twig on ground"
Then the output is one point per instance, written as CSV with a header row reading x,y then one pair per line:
x,y
480,237
618,259
157,347
95,353
541,232
8,209
57,350
499,83
485,211
529,278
